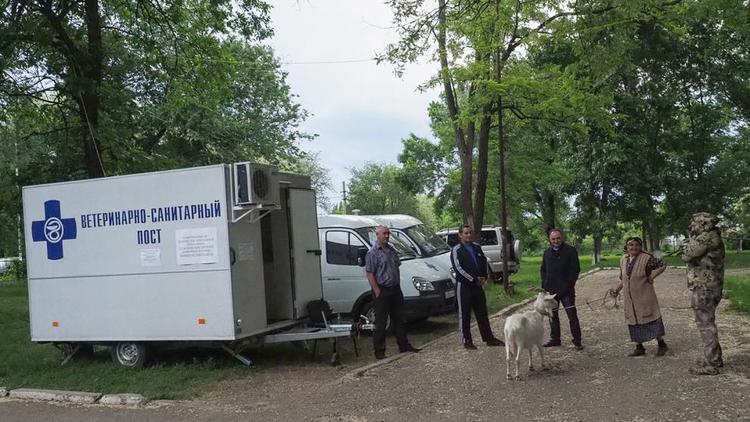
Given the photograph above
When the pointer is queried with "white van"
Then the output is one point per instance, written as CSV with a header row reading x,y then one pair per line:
x,y
344,240
426,244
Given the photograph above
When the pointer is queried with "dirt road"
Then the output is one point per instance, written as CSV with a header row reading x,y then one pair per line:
x,y
446,382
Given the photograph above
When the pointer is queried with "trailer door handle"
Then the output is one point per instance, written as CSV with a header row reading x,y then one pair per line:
x,y
317,252
332,278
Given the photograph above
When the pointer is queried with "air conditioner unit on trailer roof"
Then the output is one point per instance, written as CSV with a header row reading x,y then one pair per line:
x,y
255,184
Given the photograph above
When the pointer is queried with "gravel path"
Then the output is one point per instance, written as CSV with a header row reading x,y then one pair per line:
x,y
446,382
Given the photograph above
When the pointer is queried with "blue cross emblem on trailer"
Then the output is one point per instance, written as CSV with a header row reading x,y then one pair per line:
x,y
53,229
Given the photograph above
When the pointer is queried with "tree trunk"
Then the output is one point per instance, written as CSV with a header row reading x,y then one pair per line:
x,y
654,237
547,204
464,147
652,227
86,72
550,210
466,158
482,173
89,102
596,256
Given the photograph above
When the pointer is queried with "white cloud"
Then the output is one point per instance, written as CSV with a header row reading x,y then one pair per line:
x,y
360,110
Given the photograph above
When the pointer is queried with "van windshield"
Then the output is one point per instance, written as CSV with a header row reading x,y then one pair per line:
x,y
428,242
403,250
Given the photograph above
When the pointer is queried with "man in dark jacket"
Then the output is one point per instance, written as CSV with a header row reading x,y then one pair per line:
x,y
559,273
470,266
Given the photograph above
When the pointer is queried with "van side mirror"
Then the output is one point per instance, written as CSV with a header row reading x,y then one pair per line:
x,y
361,253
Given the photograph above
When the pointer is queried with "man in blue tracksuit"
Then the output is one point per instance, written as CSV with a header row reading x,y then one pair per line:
x,y
470,266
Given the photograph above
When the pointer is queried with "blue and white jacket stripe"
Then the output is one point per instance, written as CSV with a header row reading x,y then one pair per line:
x,y
463,264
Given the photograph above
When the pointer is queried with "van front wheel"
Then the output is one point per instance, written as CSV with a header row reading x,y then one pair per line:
x,y
368,310
129,354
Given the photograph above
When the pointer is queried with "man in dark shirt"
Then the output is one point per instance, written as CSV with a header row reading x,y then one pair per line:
x,y
559,273
381,264
470,265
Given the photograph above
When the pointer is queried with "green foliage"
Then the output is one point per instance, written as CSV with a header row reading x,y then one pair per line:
x,y
423,165
179,86
168,86
376,189
634,114
309,165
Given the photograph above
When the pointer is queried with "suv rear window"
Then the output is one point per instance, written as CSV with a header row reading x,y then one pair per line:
x,y
452,239
488,237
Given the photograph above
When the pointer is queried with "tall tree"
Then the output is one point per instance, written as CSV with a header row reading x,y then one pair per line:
x,y
145,84
376,189
471,43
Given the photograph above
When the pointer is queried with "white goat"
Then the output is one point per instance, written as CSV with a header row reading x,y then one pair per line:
x,y
524,331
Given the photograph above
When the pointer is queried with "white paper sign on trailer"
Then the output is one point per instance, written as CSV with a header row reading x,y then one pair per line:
x,y
177,255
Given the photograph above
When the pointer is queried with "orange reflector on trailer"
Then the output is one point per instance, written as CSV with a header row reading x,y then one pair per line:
x,y
55,324
201,321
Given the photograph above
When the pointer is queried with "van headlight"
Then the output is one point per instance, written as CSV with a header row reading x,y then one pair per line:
x,y
422,284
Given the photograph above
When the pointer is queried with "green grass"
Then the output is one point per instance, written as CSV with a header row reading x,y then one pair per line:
x,y
738,289
732,260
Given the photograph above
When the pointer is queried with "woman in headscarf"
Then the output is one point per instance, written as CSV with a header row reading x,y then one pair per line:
x,y
638,269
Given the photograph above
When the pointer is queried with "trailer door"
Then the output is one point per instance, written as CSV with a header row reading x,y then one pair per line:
x,y
305,249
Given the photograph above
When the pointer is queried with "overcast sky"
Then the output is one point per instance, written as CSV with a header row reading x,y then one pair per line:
x,y
359,110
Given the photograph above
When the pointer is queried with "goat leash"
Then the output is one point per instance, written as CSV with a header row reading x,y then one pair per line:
x,y
607,302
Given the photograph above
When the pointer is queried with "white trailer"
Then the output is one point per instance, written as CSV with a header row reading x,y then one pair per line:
x,y
219,253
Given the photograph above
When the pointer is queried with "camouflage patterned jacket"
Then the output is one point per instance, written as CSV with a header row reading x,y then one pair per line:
x,y
704,256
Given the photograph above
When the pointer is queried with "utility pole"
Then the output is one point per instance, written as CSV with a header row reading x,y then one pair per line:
x,y
343,193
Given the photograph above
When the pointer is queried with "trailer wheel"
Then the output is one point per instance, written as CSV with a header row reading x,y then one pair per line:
x,y
129,354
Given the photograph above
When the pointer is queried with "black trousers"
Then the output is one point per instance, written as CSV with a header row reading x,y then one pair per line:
x,y
389,303
471,296
568,302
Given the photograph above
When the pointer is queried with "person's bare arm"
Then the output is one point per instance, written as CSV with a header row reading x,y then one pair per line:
x,y
373,284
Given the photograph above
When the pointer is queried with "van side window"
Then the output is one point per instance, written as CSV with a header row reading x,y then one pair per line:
x,y
341,247
489,237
